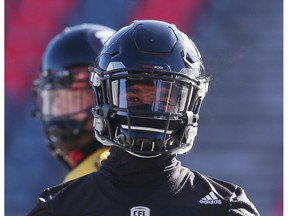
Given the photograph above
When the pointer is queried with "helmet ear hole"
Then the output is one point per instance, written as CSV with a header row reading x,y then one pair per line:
x,y
197,105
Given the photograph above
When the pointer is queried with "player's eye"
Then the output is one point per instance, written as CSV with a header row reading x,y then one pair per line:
x,y
133,99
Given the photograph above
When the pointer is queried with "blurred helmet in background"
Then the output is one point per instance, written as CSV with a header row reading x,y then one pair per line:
x,y
63,95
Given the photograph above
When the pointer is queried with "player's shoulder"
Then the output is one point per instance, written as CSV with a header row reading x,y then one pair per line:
x,y
205,181
90,164
213,191
67,188
57,200
203,185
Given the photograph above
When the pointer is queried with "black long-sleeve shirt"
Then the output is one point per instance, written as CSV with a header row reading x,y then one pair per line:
x,y
130,186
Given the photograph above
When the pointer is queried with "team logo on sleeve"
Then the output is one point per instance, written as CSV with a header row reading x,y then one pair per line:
x,y
140,211
211,198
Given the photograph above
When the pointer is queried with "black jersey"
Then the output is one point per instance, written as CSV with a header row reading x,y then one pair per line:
x,y
130,186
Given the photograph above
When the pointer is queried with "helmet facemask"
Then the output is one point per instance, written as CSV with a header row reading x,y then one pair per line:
x,y
63,101
148,112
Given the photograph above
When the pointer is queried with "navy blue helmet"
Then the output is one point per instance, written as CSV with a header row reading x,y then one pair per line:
x,y
149,83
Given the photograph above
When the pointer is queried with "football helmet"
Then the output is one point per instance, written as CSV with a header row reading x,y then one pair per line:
x,y
63,95
149,84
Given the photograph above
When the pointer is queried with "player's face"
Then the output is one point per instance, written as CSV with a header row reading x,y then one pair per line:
x,y
148,98
138,95
70,101
149,94
142,95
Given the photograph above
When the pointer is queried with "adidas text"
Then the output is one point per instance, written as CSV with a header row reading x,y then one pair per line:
x,y
210,201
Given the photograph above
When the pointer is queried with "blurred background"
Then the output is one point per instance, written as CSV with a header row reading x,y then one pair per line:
x,y
240,136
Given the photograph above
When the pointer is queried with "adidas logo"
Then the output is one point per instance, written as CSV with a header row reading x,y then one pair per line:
x,y
210,199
